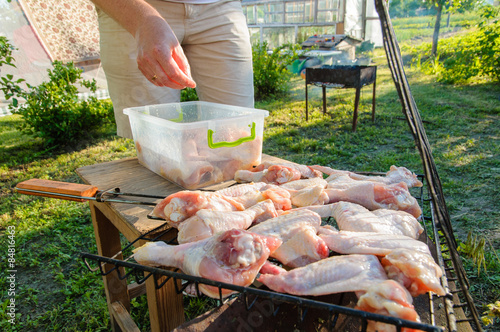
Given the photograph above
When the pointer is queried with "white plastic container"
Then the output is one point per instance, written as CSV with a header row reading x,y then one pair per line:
x,y
197,144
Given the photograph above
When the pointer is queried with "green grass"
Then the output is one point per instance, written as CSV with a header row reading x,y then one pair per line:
x,y
55,291
421,27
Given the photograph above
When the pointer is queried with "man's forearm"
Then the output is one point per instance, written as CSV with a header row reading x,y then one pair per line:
x,y
128,13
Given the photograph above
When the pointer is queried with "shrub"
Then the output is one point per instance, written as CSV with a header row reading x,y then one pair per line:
x,y
53,111
189,94
270,72
461,58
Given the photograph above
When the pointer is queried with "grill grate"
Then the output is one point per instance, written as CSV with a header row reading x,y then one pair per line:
x,y
450,305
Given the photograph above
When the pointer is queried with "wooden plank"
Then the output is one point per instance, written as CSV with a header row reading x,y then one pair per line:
x,y
136,290
55,188
122,316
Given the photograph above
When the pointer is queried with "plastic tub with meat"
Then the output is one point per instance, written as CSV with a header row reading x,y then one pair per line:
x,y
197,144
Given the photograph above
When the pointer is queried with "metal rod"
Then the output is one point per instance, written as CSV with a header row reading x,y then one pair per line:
x,y
109,200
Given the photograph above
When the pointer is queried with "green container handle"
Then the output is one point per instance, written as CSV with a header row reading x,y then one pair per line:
x,y
179,119
213,145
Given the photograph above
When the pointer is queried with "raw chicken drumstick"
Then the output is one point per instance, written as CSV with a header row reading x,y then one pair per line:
x,y
362,274
233,257
206,223
179,206
394,175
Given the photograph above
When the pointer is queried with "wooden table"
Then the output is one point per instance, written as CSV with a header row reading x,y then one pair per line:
x,y
112,219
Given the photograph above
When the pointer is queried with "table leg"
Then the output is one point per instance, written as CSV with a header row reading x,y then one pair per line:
x,y
108,244
324,99
356,104
373,100
306,103
166,310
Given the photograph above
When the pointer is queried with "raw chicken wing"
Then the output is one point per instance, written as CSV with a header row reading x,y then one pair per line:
x,y
394,175
233,257
387,298
336,274
345,242
356,218
275,174
306,172
373,196
362,274
298,232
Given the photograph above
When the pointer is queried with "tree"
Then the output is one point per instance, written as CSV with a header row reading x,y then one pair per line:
x,y
452,7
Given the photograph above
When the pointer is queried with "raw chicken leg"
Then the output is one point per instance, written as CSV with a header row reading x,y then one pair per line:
x,y
373,196
298,231
394,175
206,223
233,257
415,270
184,204
345,242
356,218
177,207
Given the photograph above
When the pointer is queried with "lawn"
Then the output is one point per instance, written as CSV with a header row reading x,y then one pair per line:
x,y
54,291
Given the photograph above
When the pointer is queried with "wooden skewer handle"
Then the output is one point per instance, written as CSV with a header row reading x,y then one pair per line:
x,y
54,189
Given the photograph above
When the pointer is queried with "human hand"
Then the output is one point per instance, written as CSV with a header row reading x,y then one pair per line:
x,y
160,57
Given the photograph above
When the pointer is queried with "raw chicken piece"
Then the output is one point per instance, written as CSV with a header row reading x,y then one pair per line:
x,y
394,175
307,192
298,231
275,174
404,221
362,274
241,189
415,270
206,223
375,196
306,172
179,206
304,183
345,242
309,196
233,257
336,274
302,248
387,298
356,218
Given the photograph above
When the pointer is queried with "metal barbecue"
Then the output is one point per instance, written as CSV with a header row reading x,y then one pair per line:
x,y
345,77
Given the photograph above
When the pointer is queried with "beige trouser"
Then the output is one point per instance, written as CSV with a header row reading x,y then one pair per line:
x,y
216,42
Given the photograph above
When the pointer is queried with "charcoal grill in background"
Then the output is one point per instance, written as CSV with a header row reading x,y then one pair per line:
x,y
342,77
